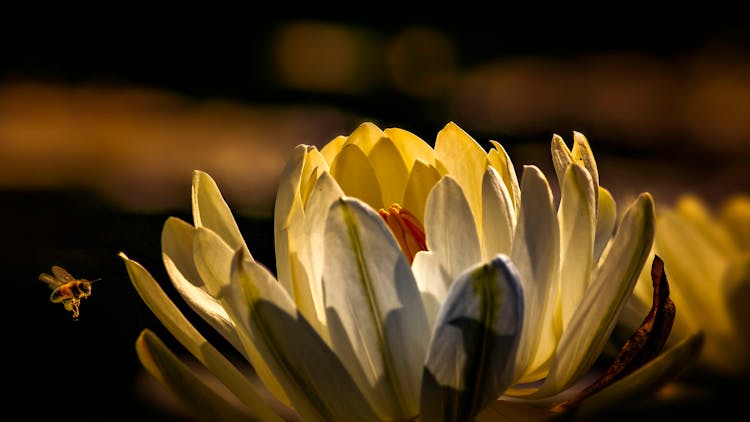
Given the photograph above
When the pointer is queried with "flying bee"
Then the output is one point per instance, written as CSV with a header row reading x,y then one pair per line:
x,y
67,290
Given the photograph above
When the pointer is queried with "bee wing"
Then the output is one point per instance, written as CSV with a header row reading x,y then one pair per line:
x,y
52,282
62,274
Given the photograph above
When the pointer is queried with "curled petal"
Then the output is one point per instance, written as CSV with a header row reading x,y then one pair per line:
x,y
474,344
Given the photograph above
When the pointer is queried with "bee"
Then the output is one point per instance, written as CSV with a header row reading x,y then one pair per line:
x,y
67,290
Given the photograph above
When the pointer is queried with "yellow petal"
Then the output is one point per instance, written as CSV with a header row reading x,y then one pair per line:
x,y
365,137
354,173
500,160
421,180
466,162
411,146
332,148
735,214
694,209
390,170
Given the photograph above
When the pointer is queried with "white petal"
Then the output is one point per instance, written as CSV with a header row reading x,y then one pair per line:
x,y
450,229
375,315
605,223
499,215
577,218
317,384
612,284
168,313
214,260
211,211
177,254
474,344
432,281
325,192
536,254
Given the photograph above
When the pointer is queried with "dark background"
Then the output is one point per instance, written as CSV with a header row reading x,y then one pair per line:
x,y
88,369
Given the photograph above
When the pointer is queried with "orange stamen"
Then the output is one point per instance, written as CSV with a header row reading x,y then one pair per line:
x,y
407,230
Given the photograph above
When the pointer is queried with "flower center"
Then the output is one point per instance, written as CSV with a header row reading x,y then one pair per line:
x,y
407,230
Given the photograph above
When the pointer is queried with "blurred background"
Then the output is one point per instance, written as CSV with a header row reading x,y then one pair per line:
x,y
105,111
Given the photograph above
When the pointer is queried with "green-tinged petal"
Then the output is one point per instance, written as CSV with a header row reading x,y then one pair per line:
x,y
211,211
735,213
411,146
375,315
581,153
177,254
288,216
605,223
466,161
314,166
500,160
536,254
214,259
474,344
577,218
161,363
318,385
611,285
432,281
354,173
390,170
365,136
561,157
450,229
422,178
332,148
498,215
644,381
168,313
325,193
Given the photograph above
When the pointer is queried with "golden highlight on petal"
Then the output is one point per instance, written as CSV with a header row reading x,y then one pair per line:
x,y
407,230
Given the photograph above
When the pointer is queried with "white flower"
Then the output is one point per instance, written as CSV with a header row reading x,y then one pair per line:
x,y
504,288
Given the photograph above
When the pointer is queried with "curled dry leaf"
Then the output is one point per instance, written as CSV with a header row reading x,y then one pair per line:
x,y
645,343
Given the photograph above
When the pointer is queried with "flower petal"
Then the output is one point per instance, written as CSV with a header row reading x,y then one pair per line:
x,y
211,211
332,148
365,136
168,313
421,180
536,254
466,161
288,216
411,146
612,284
432,281
375,315
354,173
390,170
325,193
316,382
577,218
213,260
450,228
735,213
177,254
498,215
189,388
474,344
500,160
605,223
